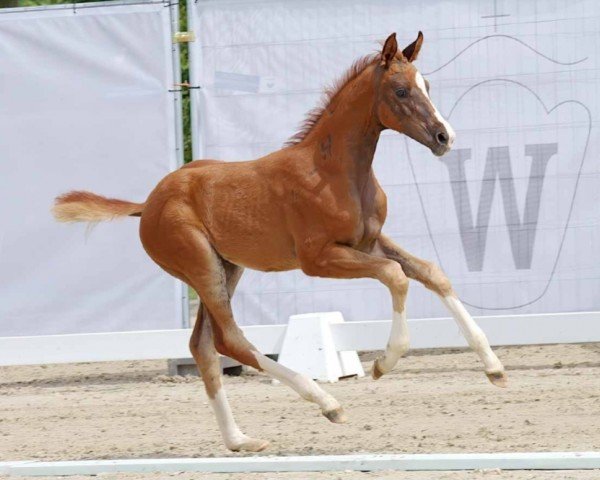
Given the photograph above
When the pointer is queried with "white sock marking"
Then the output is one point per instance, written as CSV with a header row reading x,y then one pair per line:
x,y
397,344
232,435
473,333
306,387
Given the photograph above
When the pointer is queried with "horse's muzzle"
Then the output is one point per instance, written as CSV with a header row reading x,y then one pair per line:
x,y
443,139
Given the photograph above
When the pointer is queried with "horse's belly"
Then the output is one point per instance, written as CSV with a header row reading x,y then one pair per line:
x,y
259,254
267,253
244,221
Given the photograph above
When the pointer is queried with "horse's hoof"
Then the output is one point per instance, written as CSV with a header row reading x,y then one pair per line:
x,y
336,415
376,373
500,379
249,444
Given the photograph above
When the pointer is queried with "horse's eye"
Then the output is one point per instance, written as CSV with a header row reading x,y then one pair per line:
x,y
401,92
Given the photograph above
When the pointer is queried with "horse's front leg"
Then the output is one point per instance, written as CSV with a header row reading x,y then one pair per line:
x,y
339,261
430,275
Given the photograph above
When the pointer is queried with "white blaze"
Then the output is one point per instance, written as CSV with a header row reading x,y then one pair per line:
x,y
421,84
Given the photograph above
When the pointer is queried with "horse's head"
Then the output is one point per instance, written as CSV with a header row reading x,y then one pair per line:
x,y
403,102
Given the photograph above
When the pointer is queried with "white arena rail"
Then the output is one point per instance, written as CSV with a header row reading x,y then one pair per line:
x,y
324,463
577,327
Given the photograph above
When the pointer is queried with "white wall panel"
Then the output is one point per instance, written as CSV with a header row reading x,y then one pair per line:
x,y
84,104
518,81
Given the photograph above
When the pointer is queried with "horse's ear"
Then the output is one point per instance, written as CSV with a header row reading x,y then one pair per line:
x,y
412,51
390,47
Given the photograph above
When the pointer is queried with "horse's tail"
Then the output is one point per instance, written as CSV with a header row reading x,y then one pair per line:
x,y
88,207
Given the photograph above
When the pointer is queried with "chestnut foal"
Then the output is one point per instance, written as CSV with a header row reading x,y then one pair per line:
x,y
313,205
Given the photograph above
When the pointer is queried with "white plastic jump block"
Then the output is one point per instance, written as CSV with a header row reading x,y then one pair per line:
x,y
309,348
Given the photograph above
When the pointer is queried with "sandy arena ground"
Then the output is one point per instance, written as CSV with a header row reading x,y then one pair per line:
x,y
432,402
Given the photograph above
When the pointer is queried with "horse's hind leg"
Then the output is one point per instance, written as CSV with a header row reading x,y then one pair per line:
x,y
230,341
430,275
209,365
207,359
211,277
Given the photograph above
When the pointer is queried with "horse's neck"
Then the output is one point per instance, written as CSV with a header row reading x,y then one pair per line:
x,y
346,136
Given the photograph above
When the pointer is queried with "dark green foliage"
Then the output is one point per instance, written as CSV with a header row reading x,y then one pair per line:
x,y
185,76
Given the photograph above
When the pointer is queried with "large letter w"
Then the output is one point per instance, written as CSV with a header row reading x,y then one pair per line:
x,y
497,166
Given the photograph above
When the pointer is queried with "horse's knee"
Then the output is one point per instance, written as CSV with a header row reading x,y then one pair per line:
x,y
395,279
437,280
401,284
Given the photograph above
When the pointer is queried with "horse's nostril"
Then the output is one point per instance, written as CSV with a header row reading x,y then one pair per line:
x,y
442,138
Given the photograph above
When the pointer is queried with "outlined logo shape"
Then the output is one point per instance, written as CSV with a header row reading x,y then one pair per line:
x,y
498,214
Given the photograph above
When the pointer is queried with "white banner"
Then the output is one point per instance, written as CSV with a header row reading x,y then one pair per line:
x,y
511,214
84,104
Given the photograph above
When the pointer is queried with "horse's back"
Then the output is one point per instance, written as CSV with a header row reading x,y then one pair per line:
x,y
234,204
200,163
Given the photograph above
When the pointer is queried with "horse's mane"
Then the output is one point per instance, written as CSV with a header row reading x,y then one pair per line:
x,y
313,116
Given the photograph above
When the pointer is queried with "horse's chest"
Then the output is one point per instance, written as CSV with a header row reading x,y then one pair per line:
x,y
341,212
360,225
372,222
